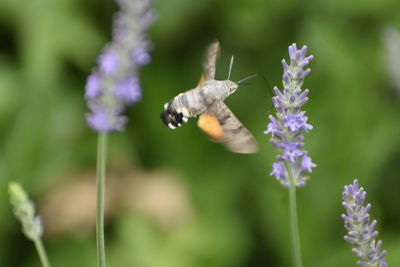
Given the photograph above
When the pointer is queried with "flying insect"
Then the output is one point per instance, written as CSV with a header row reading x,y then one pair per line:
x,y
207,102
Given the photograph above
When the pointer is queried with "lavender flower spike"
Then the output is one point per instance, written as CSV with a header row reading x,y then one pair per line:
x,y
115,84
361,233
290,123
24,210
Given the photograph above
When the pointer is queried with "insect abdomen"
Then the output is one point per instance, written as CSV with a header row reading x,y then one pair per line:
x,y
196,101
190,104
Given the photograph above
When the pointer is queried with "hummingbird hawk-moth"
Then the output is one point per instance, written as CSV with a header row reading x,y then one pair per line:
x,y
207,100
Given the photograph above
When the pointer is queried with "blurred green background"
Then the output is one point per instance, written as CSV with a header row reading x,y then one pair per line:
x,y
175,198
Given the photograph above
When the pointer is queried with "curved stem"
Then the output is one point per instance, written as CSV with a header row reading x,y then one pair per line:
x,y
41,252
100,181
294,226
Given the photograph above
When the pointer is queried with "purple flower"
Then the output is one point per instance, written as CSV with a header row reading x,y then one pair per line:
x,y
128,90
297,122
115,84
279,170
104,121
291,151
289,124
307,164
93,87
273,127
141,56
108,62
361,233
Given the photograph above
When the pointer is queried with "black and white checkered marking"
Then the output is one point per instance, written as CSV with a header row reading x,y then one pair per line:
x,y
173,118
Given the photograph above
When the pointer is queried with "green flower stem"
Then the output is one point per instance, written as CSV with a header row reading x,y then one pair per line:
x,y
41,252
293,217
101,177
294,227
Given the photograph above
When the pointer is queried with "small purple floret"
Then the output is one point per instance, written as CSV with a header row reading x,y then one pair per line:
x,y
361,233
93,87
108,62
141,56
273,127
128,90
291,151
279,171
307,164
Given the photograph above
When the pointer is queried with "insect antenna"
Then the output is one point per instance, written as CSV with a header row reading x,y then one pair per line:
x,y
246,83
247,78
230,68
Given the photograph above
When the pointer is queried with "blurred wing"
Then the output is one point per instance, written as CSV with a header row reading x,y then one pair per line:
x,y
210,59
222,126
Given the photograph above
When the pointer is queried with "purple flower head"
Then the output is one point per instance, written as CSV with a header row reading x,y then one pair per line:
x,y
361,233
289,124
114,85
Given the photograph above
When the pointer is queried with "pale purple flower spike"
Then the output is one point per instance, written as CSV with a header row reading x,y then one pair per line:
x,y
361,233
114,85
287,127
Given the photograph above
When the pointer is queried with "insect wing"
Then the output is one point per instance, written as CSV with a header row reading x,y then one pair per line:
x,y
235,136
210,59
208,122
211,126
